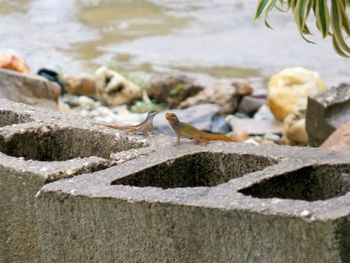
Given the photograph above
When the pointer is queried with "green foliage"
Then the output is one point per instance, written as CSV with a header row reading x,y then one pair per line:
x,y
140,106
331,18
179,87
136,80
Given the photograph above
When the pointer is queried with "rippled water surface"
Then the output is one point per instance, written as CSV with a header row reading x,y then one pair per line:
x,y
209,39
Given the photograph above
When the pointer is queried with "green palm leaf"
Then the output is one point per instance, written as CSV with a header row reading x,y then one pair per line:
x,y
331,18
322,17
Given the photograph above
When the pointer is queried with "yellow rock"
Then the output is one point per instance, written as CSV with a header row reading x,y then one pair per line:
x,y
289,89
113,89
294,127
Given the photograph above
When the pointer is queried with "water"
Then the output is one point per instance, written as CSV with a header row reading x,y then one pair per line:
x,y
209,39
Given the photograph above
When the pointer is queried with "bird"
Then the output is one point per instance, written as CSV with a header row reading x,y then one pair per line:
x,y
144,127
186,130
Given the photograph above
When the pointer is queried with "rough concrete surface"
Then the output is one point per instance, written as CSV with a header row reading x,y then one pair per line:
x,y
38,147
217,203
72,191
326,112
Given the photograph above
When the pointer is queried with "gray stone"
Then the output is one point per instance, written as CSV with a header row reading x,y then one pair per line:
x,y
219,124
326,112
251,104
31,90
254,127
227,94
172,89
222,202
264,113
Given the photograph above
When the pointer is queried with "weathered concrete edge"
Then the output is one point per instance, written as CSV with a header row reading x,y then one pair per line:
x,y
38,118
225,196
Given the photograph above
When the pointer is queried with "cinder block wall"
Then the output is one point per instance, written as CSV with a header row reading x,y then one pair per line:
x,y
73,192
214,203
38,147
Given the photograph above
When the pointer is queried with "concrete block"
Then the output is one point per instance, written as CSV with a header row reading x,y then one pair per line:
x,y
216,203
106,196
326,112
38,147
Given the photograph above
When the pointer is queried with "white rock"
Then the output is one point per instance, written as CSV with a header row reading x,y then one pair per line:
x,y
84,100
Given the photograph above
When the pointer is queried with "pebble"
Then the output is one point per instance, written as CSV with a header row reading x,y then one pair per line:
x,y
272,137
94,110
74,191
264,113
305,213
251,141
103,111
84,101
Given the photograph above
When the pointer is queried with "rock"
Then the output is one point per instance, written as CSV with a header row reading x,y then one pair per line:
x,y
260,93
62,106
272,137
227,95
94,110
113,89
14,63
241,115
252,141
200,116
79,85
83,102
250,104
289,89
294,127
31,90
70,100
339,140
172,89
104,111
254,127
326,112
264,113
262,140
219,124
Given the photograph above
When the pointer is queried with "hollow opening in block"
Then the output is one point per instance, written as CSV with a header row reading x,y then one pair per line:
x,y
199,169
51,143
310,183
10,117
